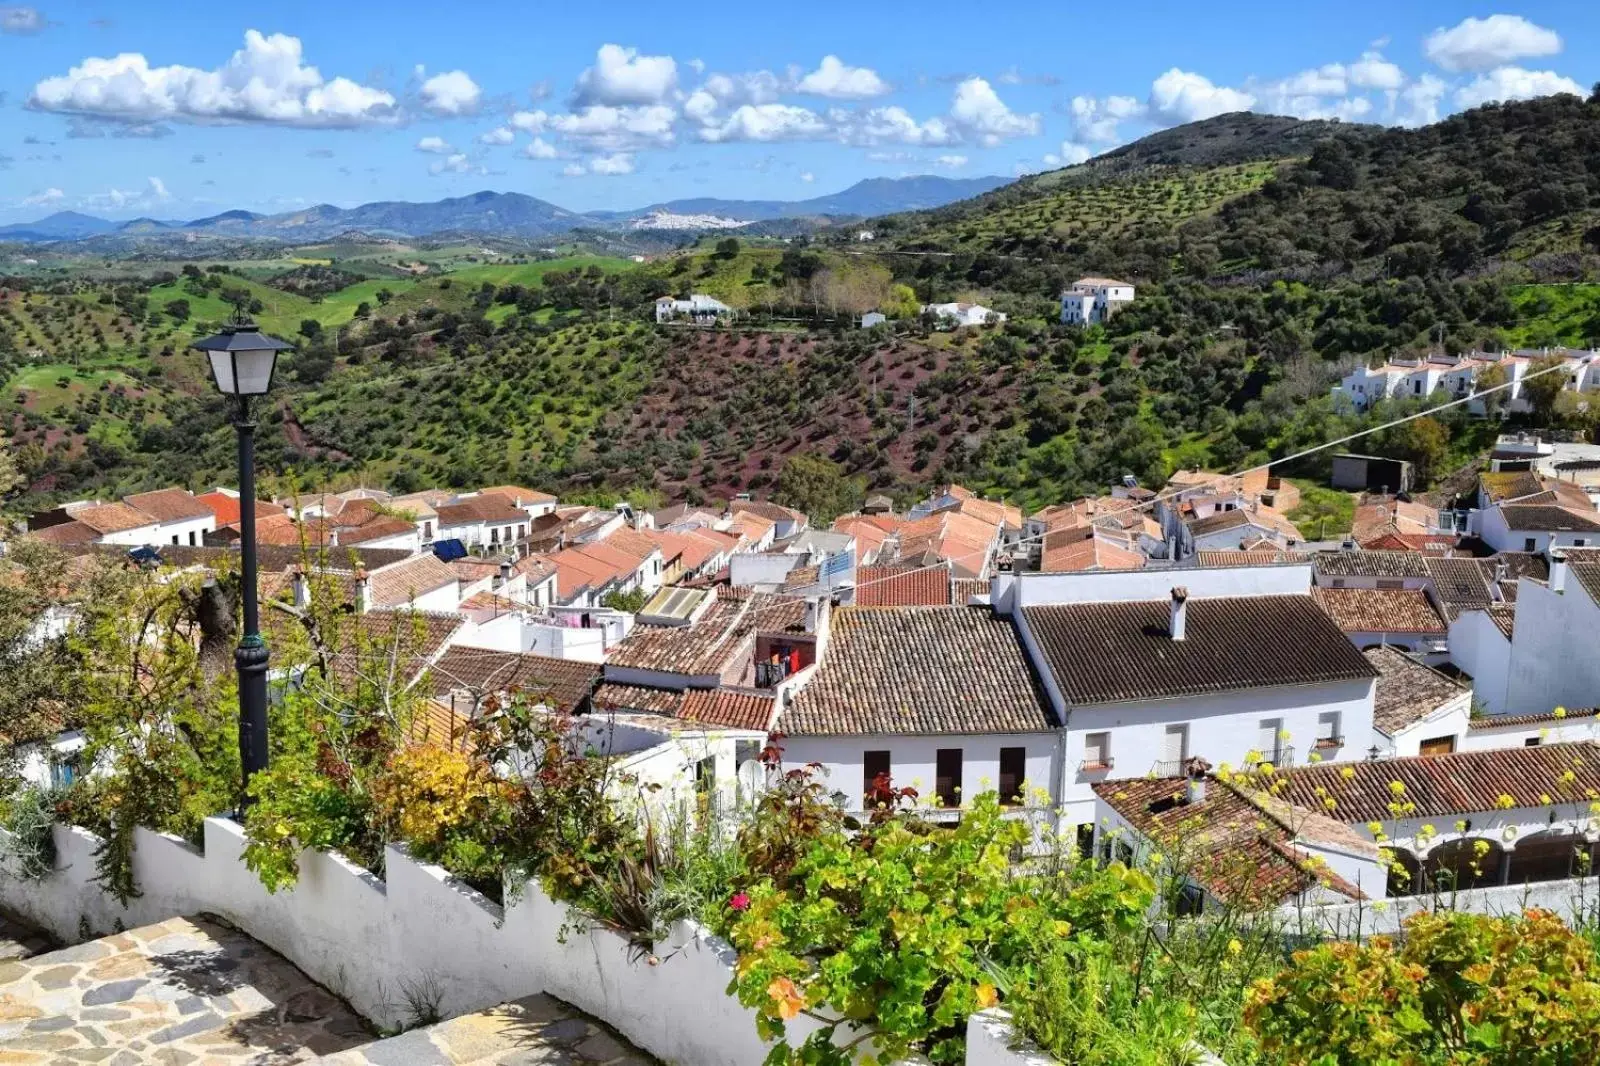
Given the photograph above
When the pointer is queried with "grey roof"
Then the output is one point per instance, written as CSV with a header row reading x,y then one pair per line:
x,y
1371,564
1117,652
1407,691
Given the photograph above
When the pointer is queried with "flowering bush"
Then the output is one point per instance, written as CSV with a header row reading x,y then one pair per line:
x,y
1457,990
906,928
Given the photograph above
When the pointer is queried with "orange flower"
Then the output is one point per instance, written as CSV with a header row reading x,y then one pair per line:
x,y
790,1000
986,996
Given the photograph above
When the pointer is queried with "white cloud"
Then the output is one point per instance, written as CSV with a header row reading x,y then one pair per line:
x,y
44,198
154,192
618,129
1372,71
622,76
1179,96
1072,153
697,65
1514,83
891,157
954,162
499,135
451,93
1476,44
539,148
808,177
17,19
574,170
266,81
455,164
1418,103
768,122
835,79
978,111
434,146
530,121
891,125
611,165
1095,121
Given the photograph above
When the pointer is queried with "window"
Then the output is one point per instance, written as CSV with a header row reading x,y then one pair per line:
x,y
947,776
1531,742
1529,544
522,531
1269,741
1437,745
1579,542
873,763
1338,582
192,536
1086,839
1175,749
427,530
174,538
705,776
63,772
1390,584
1096,751
1328,730
1013,769
494,536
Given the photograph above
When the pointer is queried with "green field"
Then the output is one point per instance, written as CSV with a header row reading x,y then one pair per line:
x,y
1324,513
530,273
1556,315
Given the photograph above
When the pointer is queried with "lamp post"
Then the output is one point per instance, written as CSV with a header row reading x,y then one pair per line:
x,y
243,360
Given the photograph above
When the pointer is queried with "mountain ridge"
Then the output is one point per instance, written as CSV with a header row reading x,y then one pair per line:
x,y
504,213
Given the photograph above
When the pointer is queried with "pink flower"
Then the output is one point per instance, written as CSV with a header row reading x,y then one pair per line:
x,y
739,901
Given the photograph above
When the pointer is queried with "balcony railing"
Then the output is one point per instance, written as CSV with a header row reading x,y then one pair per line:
x,y
1095,766
1328,743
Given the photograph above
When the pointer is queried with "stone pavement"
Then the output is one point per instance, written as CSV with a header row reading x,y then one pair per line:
x,y
186,992
20,941
537,1029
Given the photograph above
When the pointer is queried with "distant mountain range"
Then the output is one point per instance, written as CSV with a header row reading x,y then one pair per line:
x,y
505,214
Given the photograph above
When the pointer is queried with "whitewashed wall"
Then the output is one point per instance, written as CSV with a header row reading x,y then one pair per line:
x,y
1480,649
913,760
1483,736
1553,660
369,940
1578,898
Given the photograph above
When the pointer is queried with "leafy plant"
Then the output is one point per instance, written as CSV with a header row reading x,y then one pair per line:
x,y
1457,990
31,847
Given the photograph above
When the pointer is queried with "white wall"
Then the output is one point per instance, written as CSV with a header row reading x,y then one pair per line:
x,y
1492,528
1480,649
1564,731
1554,660
142,535
189,531
369,940
519,633
912,760
410,541
760,570
1223,728
1449,720
1110,586
1570,900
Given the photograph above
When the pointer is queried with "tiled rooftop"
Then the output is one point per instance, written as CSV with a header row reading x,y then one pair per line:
x,y
1407,690
902,586
1380,610
729,707
565,683
920,670
1371,564
1115,652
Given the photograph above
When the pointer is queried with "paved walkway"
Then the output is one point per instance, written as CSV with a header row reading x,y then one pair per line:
x,y
181,993
537,1029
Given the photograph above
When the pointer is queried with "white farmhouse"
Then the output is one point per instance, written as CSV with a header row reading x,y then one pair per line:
x,y
956,315
1093,300
698,308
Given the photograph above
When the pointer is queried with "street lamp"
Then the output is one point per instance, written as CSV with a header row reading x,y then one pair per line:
x,y
242,363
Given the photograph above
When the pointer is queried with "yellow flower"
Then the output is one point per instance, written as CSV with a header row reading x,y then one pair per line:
x,y
986,996
1348,772
1544,797
1397,788
1234,947
1559,712
1504,802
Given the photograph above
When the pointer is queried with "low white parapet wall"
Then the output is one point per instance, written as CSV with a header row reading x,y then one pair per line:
x,y
1573,900
993,1041
417,934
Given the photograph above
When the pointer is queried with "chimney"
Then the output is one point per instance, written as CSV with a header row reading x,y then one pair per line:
x,y
813,611
300,585
1180,613
1195,770
1501,570
363,593
1558,570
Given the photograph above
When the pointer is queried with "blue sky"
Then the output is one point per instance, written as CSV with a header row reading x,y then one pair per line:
x,y
180,109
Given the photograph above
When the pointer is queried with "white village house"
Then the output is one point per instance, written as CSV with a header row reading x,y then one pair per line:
x,y
698,308
1089,301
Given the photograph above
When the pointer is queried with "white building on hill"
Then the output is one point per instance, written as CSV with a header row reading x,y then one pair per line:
x,y
1091,300
698,308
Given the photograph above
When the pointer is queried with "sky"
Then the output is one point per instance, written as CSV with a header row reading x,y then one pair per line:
x,y
177,109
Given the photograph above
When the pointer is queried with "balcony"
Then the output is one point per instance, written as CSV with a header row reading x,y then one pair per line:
x,y
1097,766
1328,743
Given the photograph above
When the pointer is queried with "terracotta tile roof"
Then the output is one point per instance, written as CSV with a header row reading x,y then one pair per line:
x,y
1587,576
708,645
902,586
1502,721
751,525
869,532
66,533
1433,544
1241,843
920,670
691,552
226,507
1065,552
772,512
1407,690
960,539
562,683
519,497
576,571
1460,584
1504,618
476,510
105,518
169,505
534,568
399,642
400,583
994,512
1260,557
963,589
376,527
469,569
1442,786
729,707
1219,521
1498,485
1116,652
1549,518
439,724
1380,610
630,542
1371,564
610,696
